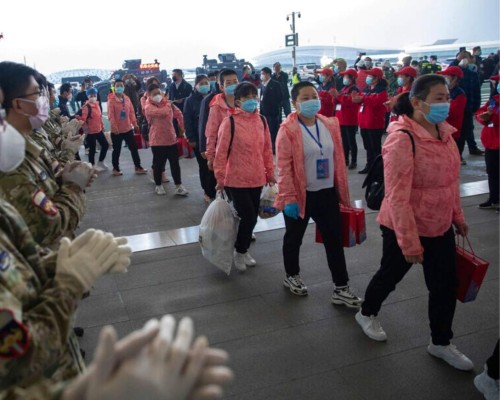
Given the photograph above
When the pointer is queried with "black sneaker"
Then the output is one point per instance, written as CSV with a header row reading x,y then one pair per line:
x,y
487,205
364,170
295,284
476,152
353,165
345,296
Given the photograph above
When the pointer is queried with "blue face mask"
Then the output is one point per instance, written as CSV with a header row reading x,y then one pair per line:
x,y
336,69
119,89
438,112
56,102
346,82
321,78
249,105
400,81
230,89
309,108
212,84
204,89
369,80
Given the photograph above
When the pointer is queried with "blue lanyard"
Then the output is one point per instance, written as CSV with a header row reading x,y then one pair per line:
x,y
318,142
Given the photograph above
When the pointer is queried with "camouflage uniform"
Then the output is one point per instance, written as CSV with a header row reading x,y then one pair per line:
x,y
35,311
51,210
51,138
45,389
393,82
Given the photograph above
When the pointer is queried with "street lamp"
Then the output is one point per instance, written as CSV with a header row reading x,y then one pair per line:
x,y
295,36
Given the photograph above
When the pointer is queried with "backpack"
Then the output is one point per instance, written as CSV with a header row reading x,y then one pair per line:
x,y
231,119
374,182
80,112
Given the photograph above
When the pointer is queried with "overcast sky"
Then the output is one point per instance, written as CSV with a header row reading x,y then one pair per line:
x,y
60,35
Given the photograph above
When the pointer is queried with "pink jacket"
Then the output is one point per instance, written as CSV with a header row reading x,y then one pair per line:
x,y
291,169
115,107
218,111
421,193
160,118
250,163
94,123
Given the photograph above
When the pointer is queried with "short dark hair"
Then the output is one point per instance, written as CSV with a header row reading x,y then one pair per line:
x,y
224,73
296,88
65,87
119,80
433,57
151,81
245,89
50,85
213,73
276,63
152,87
420,89
178,71
14,81
199,78
266,70
476,48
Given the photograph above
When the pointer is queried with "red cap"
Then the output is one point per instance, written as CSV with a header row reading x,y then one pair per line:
x,y
375,72
495,78
351,72
452,71
407,71
325,71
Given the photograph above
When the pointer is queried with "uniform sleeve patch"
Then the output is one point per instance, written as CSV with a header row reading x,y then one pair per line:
x,y
5,260
14,338
41,200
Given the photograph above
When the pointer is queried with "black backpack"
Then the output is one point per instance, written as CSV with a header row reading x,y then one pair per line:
x,y
231,119
374,182
80,112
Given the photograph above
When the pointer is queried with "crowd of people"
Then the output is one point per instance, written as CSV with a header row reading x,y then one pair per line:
x,y
426,112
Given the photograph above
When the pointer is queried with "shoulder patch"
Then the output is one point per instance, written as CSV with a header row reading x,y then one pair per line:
x,y
41,200
5,260
14,338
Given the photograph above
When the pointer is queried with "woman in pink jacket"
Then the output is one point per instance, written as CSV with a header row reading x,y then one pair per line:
x,y
312,181
243,164
421,205
160,114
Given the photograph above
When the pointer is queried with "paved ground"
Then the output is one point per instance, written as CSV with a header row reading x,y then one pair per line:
x,y
282,346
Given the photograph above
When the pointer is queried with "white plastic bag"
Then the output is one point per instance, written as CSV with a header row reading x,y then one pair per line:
x,y
218,231
266,205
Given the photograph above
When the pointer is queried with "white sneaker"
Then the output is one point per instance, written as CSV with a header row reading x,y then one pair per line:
x,y
371,327
254,238
181,191
295,285
160,191
239,261
487,385
101,166
345,296
151,176
249,260
451,355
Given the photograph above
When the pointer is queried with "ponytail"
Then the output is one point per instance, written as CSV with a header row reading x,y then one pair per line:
x,y
402,105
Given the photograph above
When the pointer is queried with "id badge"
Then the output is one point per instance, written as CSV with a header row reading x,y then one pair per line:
x,y
361,108
339,107
491,125
123,114
322,169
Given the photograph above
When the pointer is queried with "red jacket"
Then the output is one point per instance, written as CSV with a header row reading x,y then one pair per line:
x,y
372,111
219,110
327,104
361,79
94,123
160,118
457,107
490,135
346,110
115,109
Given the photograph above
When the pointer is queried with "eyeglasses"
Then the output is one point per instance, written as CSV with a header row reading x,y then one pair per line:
x,y
40,92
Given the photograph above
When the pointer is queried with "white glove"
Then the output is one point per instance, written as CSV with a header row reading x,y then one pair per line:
x,y
73,143
81,173
71,128
88,262
64,119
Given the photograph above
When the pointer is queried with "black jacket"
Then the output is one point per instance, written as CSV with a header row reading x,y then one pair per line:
x,y
191,114
283,80
271,97
202,121
183,92
63,106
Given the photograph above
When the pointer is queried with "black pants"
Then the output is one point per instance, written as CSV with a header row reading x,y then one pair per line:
x,y
287,108
372,142
129,139
91,141
207,186
467,133
273,122
440,277
349,143
323,207
492,168
160,156
492,364
246,203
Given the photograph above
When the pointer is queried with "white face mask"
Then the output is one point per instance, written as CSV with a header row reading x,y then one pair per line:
x,y
43,107
463,63
93,99
12,147
70,97
157,98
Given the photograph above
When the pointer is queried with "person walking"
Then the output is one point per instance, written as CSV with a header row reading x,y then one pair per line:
x,y
282,78
271,99
243,165
312,183
420,208
123,122
160,114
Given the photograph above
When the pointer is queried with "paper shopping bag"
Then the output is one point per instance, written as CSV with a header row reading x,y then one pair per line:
x,y
471,270
184,148
348,221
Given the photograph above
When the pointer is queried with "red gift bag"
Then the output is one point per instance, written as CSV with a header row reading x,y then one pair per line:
x,y
184,148
349,221
139,140
471,270
360,225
